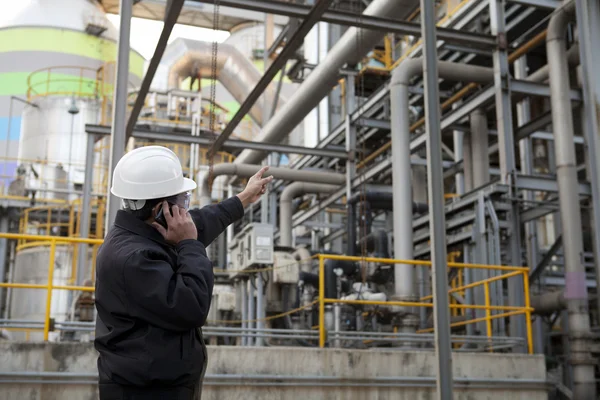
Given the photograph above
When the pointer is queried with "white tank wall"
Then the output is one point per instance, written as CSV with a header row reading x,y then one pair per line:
x,y
66,14
50,133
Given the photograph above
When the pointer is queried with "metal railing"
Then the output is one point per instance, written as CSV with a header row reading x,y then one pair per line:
x,y
51,241
422,336
508,272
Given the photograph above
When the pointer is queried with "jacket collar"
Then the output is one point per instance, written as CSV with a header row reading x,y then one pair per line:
x,y
128,222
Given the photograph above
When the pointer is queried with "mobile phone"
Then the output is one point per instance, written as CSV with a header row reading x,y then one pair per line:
x,y
160,216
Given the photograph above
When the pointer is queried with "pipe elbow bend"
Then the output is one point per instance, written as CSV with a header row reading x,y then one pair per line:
x,y
404,72
558,23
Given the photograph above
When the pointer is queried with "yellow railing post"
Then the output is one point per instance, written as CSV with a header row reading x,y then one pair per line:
x,y
528,312
321,301
49,289
488,312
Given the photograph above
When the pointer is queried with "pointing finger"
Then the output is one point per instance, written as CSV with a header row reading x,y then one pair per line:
x,y
260,173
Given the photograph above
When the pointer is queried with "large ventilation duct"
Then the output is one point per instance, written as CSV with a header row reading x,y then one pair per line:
x,y
287,174
191,58
285,206
350,49
584,384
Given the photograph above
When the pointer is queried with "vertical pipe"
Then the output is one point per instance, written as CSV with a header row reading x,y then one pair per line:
x,y
3,253
437,223
459,177
584,386
467,152
244,306
588,18
337,315
85,208
251,314
479,142
321,301
260,307
119,112
401,174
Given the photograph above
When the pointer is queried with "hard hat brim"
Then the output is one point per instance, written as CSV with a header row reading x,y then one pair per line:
x,y
187,186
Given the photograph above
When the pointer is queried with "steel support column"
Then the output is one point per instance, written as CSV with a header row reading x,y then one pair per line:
x,y
119,111
260,307
507,156
84,229
251,312
435,180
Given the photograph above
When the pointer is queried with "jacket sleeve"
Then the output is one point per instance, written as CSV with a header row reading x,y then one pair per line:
x,y
175,299
212,220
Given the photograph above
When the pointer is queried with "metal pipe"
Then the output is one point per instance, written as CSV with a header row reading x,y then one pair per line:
x,y
401,167
82,257
244,306
237,74
584,386
480,144
260,308
246,170
350,49
285,203
119,111
251,314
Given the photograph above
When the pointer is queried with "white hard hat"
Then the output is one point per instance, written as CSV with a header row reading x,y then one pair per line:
x,y
151,172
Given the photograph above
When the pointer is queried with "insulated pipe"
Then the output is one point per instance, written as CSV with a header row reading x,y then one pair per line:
x,y
401,167
479,147
246,171
285,206
350,49
192,58
548,303
576,296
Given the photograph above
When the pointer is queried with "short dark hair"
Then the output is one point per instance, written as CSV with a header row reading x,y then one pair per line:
x,y
145,212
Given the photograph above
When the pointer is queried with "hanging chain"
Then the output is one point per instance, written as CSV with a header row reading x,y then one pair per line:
x,y
213,92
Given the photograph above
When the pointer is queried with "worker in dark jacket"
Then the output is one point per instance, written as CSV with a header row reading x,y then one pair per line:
x,y
154,281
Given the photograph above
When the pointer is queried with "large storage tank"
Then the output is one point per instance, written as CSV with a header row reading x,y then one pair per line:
x,y
47,34
56,55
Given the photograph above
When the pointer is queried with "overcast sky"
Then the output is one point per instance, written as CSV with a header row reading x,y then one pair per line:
x,y
144,33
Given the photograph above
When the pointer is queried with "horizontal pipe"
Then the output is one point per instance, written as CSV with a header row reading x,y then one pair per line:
x,y
247,170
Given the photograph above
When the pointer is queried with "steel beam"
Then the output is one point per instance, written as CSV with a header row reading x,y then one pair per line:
x,y
539,268
82,257
365,21
292,45
529,88
545,4
230,144
435,180
119,111
546,184
172,11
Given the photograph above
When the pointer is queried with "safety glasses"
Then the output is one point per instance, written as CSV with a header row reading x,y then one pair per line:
x,y
180,200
